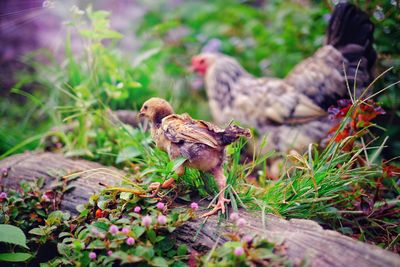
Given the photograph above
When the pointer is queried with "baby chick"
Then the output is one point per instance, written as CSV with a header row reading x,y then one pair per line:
x,y
200,142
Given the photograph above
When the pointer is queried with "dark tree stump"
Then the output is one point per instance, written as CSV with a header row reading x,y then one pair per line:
x,y
304,239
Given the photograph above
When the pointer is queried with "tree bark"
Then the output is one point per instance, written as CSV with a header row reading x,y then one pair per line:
x,y
304,239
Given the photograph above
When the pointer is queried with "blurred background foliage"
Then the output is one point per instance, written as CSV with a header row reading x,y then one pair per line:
x,y
95,68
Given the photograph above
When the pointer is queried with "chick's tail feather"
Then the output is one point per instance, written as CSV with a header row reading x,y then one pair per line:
x,y
351,32
233,133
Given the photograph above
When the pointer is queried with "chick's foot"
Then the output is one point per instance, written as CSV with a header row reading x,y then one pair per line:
x,y
165,185
168,183
220,206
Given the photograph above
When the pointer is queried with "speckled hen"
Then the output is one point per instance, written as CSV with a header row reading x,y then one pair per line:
x,y
292,111
200,142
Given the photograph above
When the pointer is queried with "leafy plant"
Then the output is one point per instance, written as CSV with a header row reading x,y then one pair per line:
x,y
13,235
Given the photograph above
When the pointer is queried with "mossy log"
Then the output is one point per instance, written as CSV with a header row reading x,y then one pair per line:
x,y
304,239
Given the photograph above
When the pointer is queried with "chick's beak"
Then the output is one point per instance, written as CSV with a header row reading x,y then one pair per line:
x,y
141,113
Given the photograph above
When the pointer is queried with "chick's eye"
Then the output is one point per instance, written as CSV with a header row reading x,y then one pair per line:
x,y
145,107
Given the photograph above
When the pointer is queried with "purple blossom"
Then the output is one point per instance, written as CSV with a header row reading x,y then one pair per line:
x,y
194,206
344,103
92,255
4,172
94,231
113,229
137,209
109,253
46,198
212,46
160,205
241,222
125,230
3,195
247,238
146,220
239,251
234,216
161,219
130,241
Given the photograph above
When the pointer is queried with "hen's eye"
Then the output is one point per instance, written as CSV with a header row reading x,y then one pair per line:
x,y
145,107
201,61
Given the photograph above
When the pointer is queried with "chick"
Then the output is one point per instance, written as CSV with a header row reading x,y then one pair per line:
x,y
200,142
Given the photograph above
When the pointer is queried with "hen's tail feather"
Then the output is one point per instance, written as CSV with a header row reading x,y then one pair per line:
x,y
232,133
351,32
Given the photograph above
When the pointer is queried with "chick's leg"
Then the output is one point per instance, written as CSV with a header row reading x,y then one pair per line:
x,y
169,183
221,182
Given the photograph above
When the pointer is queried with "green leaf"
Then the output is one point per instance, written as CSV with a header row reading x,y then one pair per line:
x,y
134,84
103,203
15,257
182,250
145,55
42,230
160,262
151,235
125,196
57,217
96,244
13,235
127,153
101,225
138,231
146,252
64,249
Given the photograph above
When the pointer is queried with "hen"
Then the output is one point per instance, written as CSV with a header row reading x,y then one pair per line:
x,y
201,143
291,111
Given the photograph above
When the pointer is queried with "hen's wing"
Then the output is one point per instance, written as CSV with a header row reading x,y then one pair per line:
x,y
182,128
272,101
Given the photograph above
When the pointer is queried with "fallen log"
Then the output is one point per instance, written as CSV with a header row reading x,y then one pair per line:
x,y
304,239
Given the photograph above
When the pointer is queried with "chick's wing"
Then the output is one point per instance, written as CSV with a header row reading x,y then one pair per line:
x,y
182,128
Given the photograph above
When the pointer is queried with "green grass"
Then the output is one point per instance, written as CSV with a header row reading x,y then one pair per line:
x,y
322,185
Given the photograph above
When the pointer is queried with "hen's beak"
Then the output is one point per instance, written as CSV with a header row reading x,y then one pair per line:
x,y
191,68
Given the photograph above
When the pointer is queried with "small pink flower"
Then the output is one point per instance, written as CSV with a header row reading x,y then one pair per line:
x,y
92,255
161,219
109,253
241,222
137,209
194,206
125,230
3,195
113,229
46,198
239,251
160,205
130,241
4,172
234,216
146,220
247,238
